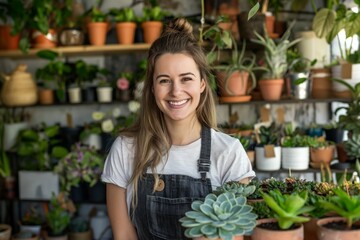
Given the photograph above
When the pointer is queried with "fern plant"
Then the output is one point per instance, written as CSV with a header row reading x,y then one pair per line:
x,y
223,216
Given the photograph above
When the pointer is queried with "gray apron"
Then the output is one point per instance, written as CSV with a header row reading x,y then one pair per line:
x,y
157,213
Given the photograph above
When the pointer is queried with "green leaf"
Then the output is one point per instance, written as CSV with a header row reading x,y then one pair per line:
x,y
323,22
47,54
253,10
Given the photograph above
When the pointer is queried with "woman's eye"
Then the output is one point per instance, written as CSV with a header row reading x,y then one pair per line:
x,y
164,81
185,79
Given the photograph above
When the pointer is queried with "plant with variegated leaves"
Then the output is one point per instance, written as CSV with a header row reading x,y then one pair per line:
x,y
223,216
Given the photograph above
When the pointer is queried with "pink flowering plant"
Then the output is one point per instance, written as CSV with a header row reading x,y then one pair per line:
x,y
125,81
83,163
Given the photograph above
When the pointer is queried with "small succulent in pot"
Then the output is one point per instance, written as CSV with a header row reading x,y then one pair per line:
x,y
223,216
239,189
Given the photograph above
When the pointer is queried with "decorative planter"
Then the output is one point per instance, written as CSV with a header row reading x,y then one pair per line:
x,y
38,185
71,37
348,72
125,32
260,233
325,233
42,41
295,158
298,91
267,163
321,83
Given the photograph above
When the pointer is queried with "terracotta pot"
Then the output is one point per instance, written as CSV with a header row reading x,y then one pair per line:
x,y
97,33
42,41
271,89
233,85
324,233
125,32
266,234
270,24
225,25
46,96
321,155
152,30
310,229
8,41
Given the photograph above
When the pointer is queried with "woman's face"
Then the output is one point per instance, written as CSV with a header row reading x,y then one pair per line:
x,y
177,86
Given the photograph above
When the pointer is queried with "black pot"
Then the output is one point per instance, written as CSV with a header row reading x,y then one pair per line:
x,y
334,134
89,94
70,136
79,194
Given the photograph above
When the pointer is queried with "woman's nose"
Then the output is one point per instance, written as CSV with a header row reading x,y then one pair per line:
x,y
175,88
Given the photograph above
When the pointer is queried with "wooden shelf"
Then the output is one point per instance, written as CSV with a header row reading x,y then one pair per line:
x,y
80,50
290,101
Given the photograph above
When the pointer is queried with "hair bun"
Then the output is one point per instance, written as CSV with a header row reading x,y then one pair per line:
x,y
179,25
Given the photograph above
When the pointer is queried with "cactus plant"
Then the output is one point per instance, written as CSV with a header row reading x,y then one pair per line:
x,y
223,216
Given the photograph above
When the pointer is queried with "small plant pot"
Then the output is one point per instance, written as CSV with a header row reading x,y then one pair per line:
x,y
320,156
261,233
126,32
46,96
74,95
267,163
295,158
325,233
80,235
104,94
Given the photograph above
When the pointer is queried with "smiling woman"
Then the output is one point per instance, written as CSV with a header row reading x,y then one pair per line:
x,y
172,155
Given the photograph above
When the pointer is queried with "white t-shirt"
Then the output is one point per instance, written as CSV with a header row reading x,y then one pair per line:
x,y
229,162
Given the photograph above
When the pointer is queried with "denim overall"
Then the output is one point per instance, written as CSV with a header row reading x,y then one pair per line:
x,y
157,213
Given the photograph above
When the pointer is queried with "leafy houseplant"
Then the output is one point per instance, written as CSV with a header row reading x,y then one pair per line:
x,y
54,72
152,22
59,215
83,163
224,216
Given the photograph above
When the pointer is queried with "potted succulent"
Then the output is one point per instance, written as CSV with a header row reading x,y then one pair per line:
x,y
288,216
343,225
276,63
58,217
267,148
224,216
152,24
321,151
125,20
79,229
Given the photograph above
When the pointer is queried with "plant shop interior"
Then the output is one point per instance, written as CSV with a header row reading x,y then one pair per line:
x,y
71,77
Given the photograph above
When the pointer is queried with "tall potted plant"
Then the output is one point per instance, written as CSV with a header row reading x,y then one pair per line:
x,y
276,63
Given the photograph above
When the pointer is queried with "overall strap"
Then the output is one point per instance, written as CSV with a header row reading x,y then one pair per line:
x,y
204,160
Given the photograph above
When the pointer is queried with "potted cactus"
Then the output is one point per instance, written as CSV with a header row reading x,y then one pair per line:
x,y
226,216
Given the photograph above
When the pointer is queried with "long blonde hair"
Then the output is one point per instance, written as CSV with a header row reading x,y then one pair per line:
x,y
151,137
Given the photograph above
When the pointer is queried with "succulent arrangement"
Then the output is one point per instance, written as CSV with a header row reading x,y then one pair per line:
x,y
223,216
239,189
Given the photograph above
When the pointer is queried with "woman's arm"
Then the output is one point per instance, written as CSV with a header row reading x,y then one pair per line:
x,y
121,224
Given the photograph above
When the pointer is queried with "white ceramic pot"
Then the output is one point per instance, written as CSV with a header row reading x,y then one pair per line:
x,y
267,163
74,95
295,158
93,140
104,94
